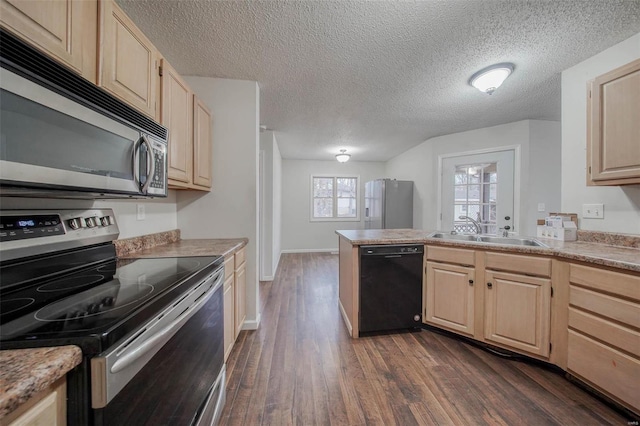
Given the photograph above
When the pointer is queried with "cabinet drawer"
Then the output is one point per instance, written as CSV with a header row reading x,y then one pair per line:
x,y
229,266
521,264
625,285
240,257
451,255
611,333
605,367
608,306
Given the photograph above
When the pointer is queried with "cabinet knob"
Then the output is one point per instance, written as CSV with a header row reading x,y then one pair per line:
x,y
489,285
471,282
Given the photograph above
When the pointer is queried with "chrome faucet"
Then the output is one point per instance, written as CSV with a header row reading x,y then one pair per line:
x,y
475,223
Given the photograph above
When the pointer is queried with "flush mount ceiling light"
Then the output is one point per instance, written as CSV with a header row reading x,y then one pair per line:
x,y
489,79
343,157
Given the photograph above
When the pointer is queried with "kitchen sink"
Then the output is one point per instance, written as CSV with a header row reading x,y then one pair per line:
x,y
489,239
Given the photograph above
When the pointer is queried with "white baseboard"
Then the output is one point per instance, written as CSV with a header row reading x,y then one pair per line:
x,y
325,250
251,324
346,319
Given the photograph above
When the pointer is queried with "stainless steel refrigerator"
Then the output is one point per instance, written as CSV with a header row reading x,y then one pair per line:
x,y
388,204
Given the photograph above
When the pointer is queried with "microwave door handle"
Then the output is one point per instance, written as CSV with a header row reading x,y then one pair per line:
x,y
151,170
136,162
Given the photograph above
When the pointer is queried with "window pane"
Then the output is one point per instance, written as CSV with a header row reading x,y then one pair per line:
x,y
460,193
474,193
493,192
323,207
346,187
346,207
323,187
460,176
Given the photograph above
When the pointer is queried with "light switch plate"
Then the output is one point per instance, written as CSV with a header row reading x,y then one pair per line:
x,y
541,207
593,211
140,212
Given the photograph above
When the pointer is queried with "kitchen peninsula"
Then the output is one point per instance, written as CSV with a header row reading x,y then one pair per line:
x,y
575,305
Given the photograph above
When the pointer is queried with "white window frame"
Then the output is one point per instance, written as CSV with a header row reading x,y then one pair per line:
x,y
335,203
516,180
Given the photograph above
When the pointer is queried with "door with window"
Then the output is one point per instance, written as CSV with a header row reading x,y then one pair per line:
x,y
478,187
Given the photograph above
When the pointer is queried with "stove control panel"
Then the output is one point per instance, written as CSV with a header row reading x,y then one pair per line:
x,y
26,233
30,226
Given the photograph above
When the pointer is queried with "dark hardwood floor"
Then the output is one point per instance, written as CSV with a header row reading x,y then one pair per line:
x,y
301,367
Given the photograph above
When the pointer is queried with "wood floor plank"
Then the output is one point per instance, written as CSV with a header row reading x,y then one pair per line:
x,y
302,368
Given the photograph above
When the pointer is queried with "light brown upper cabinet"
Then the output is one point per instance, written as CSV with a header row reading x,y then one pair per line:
x,y
189,122
202,141
128,60
66,30
177,116
613,127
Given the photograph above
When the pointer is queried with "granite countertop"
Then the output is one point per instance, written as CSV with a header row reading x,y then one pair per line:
x,y
169,244
25,372
196,247
627,258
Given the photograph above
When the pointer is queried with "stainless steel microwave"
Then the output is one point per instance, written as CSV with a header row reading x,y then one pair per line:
x,y
62,136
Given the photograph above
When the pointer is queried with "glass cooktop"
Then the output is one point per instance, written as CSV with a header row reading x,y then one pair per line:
x,y
97,300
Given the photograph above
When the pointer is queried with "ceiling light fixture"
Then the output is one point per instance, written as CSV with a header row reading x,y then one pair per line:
x,y
343,157
489,79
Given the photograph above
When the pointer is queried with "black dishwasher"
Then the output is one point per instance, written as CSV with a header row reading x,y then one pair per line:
x,y
390,287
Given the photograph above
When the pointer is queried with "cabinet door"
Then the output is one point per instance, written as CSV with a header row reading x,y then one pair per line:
x,y
229,316
177,111
614,128
449,297
518,311
202,144
66,30
128,60
240,298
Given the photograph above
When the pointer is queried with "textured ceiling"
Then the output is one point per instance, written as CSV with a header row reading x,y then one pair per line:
x,y
379,77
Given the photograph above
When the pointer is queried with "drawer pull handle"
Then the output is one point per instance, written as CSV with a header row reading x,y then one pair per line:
x,y
489,285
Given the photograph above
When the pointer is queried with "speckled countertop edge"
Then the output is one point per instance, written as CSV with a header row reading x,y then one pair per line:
x,y
187,248
627,258
25,372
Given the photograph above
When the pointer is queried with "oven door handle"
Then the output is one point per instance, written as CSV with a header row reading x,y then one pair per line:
x,y
165,334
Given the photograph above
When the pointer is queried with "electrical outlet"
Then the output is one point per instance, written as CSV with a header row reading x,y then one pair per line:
x,y
593,211
140,211
541,207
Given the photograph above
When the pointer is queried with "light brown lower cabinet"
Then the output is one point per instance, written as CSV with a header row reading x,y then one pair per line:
x,y
449,297
229,305
47,408
234,295
240,290
518,311
603,337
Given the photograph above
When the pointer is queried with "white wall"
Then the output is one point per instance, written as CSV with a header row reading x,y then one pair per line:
x,y
536,139
621,204
230,210
298,232
271,190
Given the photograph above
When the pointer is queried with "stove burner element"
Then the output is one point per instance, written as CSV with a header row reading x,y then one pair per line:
x,y
70,283
12,305
82,306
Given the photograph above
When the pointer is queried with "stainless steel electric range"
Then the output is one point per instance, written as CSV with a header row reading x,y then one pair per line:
x,y
151,330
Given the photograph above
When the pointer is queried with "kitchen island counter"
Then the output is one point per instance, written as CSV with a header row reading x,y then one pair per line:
x,y
615,256
25,372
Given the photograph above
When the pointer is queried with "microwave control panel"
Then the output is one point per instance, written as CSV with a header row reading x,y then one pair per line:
x,y
158,184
